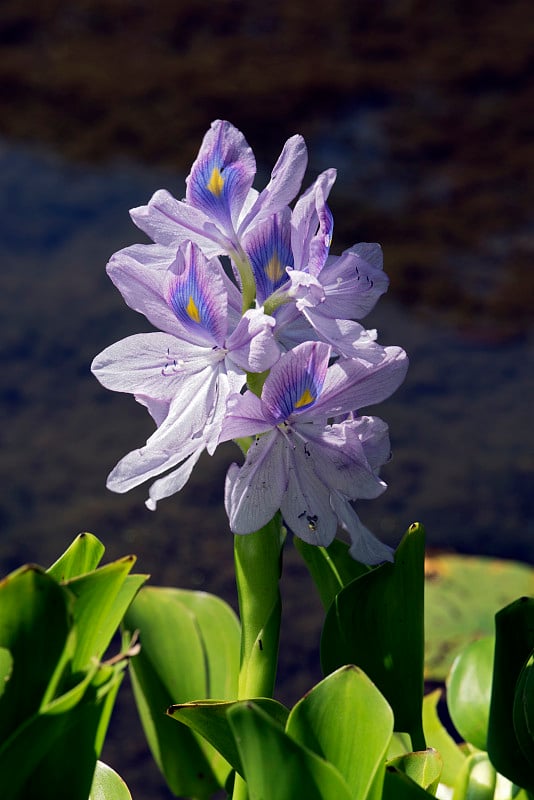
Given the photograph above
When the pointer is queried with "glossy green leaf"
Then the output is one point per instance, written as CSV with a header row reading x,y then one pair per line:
x,y
83,555
102,597
277,767
189,651
181,757
209,719
399,745
438,737
398,786
423,767
6,668
331,567
34,627
462,596
469,691
476,780
107,785
58,748
220,634
514,642
376,622
523,711
346,721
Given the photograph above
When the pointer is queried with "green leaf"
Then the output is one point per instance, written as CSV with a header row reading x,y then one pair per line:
x,y
107,785
34,627
438,737
476,780
346,721
209,719
82,556
331,567
6,668
423,767
398,786
219,630
102,597
189,651
514,641
469,691
57,748
376,622
276,767
462,596
523,711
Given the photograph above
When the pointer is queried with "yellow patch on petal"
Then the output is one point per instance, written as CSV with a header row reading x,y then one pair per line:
x,y
192,310
305,399
216,182
274,269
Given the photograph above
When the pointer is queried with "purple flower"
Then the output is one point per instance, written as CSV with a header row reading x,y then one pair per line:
x,y
302,464
185,373
297,280
220,203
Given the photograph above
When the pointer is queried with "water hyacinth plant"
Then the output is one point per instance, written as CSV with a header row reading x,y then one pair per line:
x,y
258,341
281,317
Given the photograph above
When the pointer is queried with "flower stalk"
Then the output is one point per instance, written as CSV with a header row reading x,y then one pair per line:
x,y
258,567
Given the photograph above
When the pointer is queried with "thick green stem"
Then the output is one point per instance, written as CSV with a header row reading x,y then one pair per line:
x,y
258,565
258,561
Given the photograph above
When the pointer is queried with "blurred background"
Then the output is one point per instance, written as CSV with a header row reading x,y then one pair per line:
x,y
426,111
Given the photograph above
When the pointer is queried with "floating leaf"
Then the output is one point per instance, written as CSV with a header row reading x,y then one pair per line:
x,y
462,596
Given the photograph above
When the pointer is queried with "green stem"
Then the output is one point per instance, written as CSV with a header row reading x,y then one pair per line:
x,y
258,566
248,284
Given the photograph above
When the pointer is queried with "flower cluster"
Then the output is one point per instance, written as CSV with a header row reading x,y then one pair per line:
x,y
264,344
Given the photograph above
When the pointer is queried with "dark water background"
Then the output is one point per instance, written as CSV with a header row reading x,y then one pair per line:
x,y
426,111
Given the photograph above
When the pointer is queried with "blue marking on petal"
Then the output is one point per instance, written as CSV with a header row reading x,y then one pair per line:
x,y
219,178
296,381
190,300
269,251
300,393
